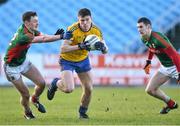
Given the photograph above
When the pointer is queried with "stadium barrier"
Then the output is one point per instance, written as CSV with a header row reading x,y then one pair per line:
x,y
112,69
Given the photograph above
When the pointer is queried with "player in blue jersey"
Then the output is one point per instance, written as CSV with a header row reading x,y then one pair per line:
x,y
74,57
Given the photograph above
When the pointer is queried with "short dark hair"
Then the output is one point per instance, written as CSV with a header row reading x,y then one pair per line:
x,y
145,20
84,12
27,15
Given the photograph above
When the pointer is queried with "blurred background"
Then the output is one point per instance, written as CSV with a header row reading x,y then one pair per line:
x,y
116,18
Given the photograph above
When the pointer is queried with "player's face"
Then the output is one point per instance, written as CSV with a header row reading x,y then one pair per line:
x,y
33,23
144,30
85,22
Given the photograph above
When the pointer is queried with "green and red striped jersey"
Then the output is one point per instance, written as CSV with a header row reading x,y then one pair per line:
x,y
160,45
19,45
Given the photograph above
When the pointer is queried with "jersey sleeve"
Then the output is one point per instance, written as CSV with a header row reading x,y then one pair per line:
x,y
168,49
37,33
150,54
162,40
173,54
98,32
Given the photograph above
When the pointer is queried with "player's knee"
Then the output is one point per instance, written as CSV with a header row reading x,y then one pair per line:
x,y
147,90
25,95
150,91
41,84
69,90
88,90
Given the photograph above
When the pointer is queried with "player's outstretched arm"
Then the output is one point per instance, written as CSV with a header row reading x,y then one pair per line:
x,y
60,34
45,38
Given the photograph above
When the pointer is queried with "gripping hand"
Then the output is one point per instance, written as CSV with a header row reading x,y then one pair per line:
x,y
84,45
63,35
101,46
59,32
147,66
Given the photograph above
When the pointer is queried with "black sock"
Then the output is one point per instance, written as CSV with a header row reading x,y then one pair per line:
x,y
82,110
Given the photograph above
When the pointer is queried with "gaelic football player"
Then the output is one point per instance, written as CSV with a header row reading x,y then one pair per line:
x,y
16,63
159,45
74,57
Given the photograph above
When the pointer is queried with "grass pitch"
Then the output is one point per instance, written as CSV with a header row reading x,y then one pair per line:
x,y
109,106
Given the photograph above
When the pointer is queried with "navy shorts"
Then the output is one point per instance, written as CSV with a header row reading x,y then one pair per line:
x,y
79,67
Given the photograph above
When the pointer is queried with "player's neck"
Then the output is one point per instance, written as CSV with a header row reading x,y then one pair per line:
x,y
29,29
147,37
84,30
149,34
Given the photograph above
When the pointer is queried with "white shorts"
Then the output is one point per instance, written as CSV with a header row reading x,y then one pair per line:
x,y
169,71
14,73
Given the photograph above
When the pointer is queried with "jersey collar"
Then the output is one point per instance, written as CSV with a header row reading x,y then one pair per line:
x,y
82,30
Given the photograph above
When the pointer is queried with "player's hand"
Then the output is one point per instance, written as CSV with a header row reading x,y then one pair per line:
x,y
67,35
84,45
147,67
178,80
59,32
104,50
101,46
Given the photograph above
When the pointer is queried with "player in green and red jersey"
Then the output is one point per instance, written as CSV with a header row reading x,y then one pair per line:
x,y
16,63
169,58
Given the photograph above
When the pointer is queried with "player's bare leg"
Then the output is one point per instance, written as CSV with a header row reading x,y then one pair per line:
x,y
155,82
152,89
65,84
86,80
24,100
34,75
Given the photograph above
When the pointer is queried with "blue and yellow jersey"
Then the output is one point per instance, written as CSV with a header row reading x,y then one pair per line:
x,y
78,37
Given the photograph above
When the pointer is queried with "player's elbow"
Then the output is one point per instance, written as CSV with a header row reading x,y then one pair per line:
x,y
62,49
